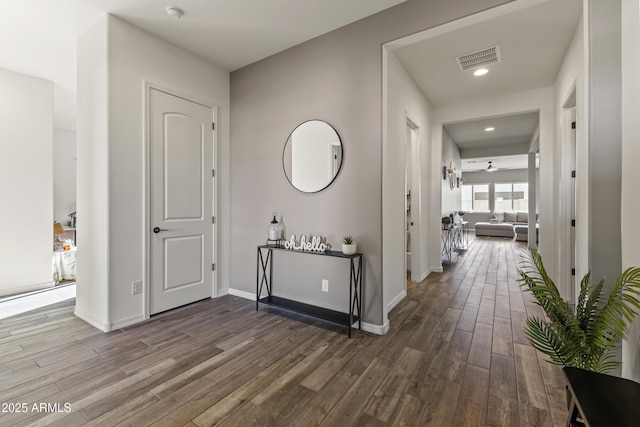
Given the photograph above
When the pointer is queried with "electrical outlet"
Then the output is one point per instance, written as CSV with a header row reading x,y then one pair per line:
x,y
325,285
136,287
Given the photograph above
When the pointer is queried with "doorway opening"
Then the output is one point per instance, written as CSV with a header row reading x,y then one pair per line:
x,y
411,183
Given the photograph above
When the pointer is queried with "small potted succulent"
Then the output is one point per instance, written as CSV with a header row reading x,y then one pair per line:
x,y
348,246
461,214
446,222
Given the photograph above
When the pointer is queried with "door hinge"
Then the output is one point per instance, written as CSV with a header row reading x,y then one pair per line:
x,y
573,222
573,125
573,271
573,174
213,220
213,126
213,267
213,173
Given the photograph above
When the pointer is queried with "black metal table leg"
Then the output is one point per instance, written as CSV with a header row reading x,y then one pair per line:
x,y
355,292
360,292
265,263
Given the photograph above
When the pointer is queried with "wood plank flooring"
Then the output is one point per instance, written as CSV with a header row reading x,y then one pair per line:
x,y
455,355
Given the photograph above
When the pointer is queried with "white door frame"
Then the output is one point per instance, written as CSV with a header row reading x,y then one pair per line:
x,y
146,176
416,214
567,207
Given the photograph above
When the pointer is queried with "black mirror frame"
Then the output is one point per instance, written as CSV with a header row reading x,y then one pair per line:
x,y
284,150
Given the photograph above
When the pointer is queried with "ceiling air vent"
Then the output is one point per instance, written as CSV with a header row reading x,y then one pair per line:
x,y
474,60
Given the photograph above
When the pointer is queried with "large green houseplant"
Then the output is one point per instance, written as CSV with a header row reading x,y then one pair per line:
x,y
585,337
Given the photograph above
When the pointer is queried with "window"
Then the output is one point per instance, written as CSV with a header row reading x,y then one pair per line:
x,y
475,197
511,197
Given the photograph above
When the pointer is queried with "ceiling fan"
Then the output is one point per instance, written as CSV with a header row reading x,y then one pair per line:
x,y
491,168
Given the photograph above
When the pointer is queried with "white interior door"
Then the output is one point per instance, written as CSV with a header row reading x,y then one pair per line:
x,y
181,201
572,201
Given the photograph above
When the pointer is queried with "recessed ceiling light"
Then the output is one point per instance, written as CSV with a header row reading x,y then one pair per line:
x,y
480,72
489,129
174,12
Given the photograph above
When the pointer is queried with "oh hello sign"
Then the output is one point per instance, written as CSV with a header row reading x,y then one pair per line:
x,y
313,245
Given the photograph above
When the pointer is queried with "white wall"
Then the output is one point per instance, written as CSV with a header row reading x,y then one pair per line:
x,y
133,58
26,171
404,99
571,78
451,198
92,271
604,84
64,174
630,159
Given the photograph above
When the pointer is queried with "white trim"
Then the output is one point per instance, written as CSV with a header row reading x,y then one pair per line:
x,y
374,329
464,22
214,199
429,271
25,289
126,322
416,215
396,300
242,294
107,327
90,319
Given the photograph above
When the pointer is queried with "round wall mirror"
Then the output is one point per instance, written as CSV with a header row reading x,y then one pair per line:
x,y
312,156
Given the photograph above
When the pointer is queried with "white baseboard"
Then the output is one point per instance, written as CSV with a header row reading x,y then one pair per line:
x,y
242,294
107,327
90,319
374,329
396,300
27,288
433,270
127,322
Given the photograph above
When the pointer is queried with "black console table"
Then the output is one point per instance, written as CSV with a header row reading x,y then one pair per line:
x,y
264,278
599,400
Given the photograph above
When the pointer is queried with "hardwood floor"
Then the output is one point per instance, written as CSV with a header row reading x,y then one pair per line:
x,y
455,356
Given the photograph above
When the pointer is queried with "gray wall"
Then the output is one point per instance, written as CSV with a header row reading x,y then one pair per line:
x,y
451,198
336,77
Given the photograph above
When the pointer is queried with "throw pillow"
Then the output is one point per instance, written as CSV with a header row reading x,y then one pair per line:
x,y
522,216
499,216
509,217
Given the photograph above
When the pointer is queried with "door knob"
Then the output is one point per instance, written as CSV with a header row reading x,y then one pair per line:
x,y
158,229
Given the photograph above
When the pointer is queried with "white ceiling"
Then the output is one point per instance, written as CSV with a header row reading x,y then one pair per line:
x,y
500,163
39,36
533,42
513,129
